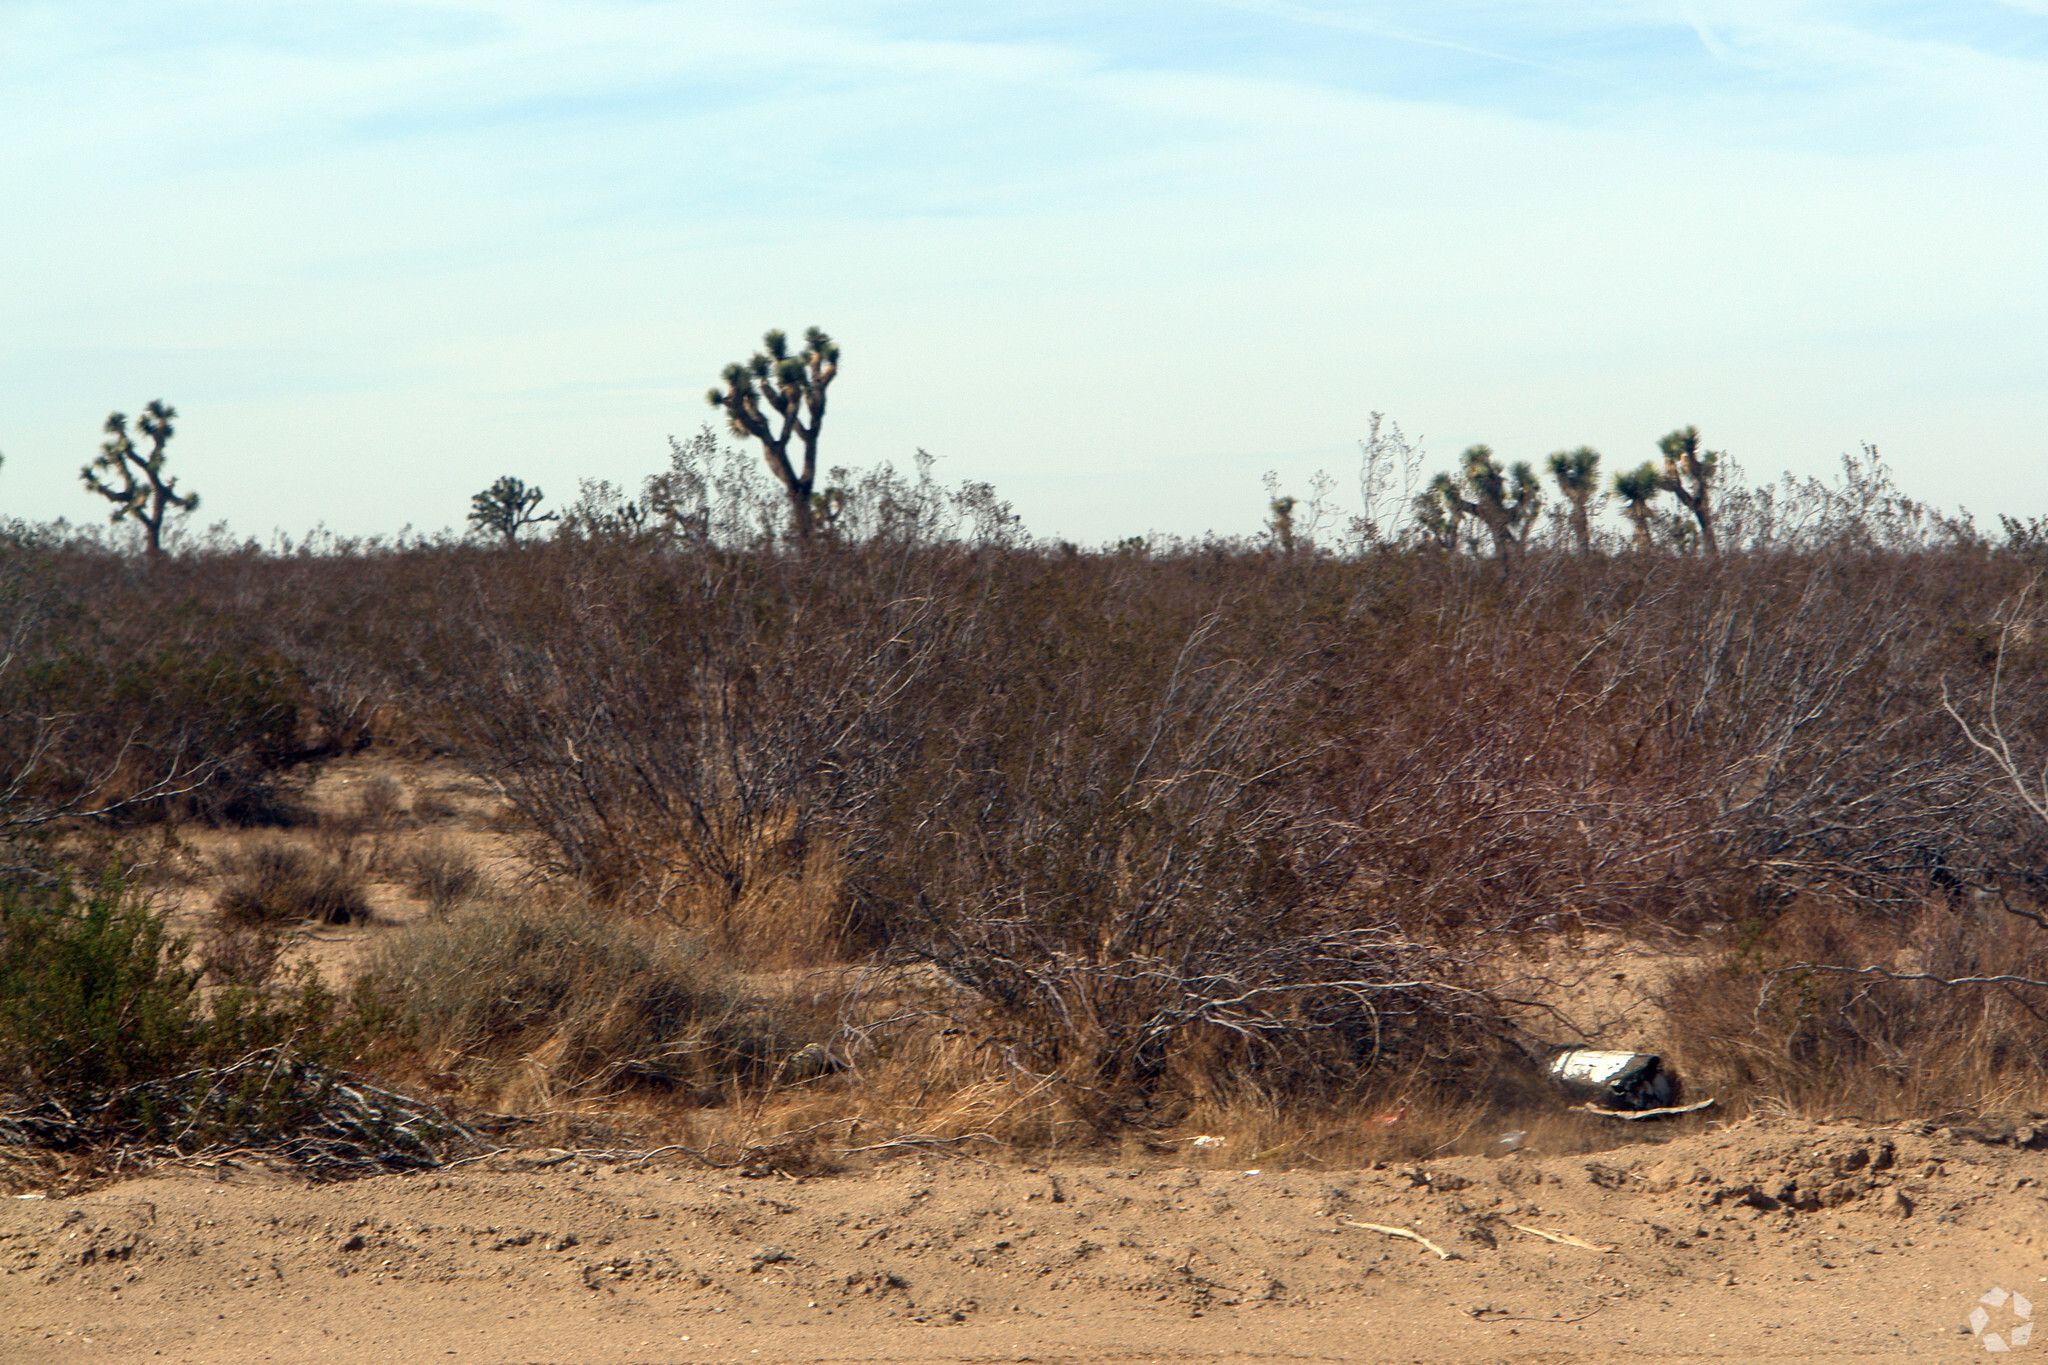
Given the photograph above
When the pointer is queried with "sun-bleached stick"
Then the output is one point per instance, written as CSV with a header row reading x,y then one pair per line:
x,y
1409,1233
1631,1115
1562,1238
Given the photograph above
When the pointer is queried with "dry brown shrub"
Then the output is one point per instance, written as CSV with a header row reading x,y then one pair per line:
x,y
1807,1011
238,952
442,874
1173,822
273,882
378,801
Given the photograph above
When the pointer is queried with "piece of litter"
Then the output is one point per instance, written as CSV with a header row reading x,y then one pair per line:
x,y
1621,1080
1562,1238
1513,1141
1205,1141
1409,1233
1253,1171
31,1196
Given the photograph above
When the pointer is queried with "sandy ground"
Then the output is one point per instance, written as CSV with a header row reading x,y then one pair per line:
x,y
1761,1240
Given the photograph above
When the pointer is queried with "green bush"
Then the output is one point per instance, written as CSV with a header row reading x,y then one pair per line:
x,y
89,996
105,1036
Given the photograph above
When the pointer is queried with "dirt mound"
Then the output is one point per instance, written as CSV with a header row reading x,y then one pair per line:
x,y
1761,1239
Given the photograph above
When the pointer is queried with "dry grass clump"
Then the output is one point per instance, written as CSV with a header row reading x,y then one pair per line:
x,y
273,882
377,801
559,1004
441,874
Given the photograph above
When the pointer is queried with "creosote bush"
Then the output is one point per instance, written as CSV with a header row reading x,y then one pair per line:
x,y
105,1036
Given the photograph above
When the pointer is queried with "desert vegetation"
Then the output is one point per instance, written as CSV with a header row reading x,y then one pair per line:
x,y
863,806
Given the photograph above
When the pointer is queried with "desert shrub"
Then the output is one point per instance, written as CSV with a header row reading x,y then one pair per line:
x,y
582,1002
1124,862
1664,744
104,1035
274,882
377,801
441,874
1108,792
113,707
238,952
1182,819
1825,1008
89,994
702,738
212,720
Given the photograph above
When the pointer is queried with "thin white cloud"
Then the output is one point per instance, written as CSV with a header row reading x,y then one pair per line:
x,y
1708,40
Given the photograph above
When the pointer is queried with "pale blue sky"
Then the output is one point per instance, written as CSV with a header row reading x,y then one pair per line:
x,y
1119,259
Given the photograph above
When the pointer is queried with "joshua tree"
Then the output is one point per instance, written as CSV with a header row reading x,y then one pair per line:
x,y
1638,488
1689,475
1440,512
1578,477
1282,525
144,494
792,387
1507,521
506,507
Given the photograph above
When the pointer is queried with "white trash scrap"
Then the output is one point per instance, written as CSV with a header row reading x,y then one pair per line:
x,y
1615,1080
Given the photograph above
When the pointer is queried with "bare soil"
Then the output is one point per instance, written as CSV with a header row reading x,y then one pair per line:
x,y
1766,1239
